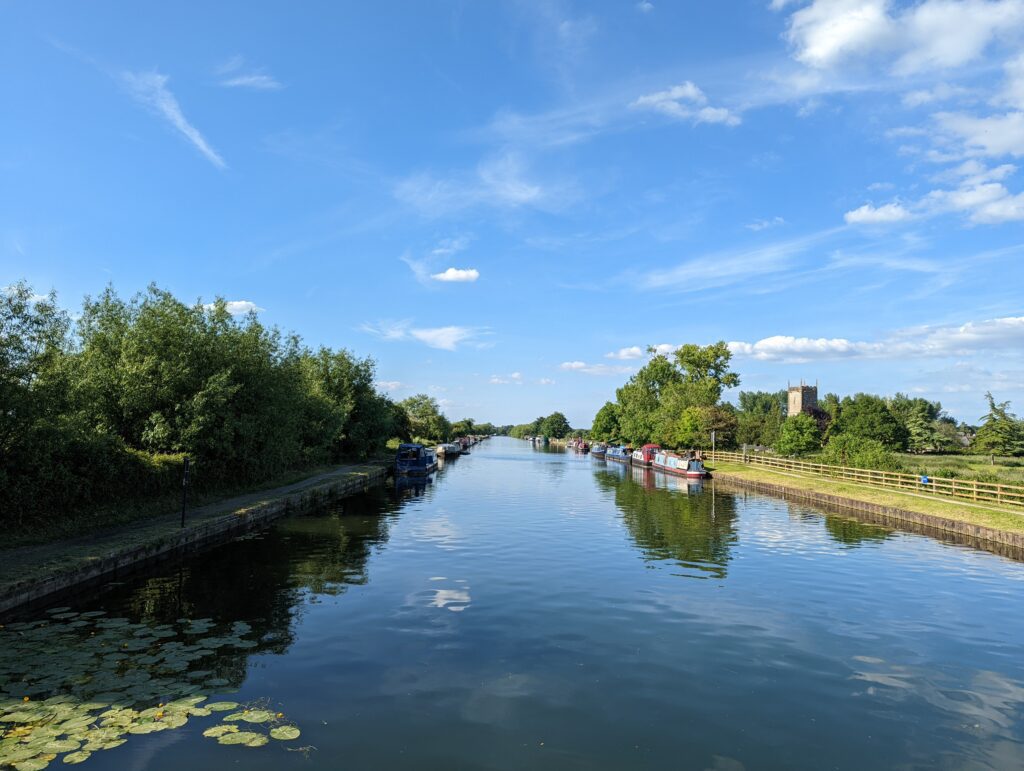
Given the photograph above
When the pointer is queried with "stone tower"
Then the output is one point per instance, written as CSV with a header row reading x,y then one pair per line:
x,y
803,398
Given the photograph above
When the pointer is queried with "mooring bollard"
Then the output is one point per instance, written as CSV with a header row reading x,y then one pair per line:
x,y
184,490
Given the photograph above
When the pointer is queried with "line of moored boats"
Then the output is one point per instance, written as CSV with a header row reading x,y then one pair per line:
x,y
414,458
685,464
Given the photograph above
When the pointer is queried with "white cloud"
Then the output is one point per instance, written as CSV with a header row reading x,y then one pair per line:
x,y
1013,89
940,93
546,381
644,6
928,36
515,378
238,307
446,247
150,88
686,102
827,31
625,354
1000,334
233,76
994,135
758,225
457,274
445,338
884,215
389,385
594,369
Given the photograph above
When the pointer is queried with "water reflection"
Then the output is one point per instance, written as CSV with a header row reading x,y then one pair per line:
x,y
669,520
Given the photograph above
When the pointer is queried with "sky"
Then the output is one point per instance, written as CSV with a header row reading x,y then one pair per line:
x,y
505,203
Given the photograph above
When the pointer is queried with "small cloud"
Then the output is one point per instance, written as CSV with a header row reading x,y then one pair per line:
x,y
875,187
457,274
515,378
389,385
150,89
644,6
882,215
546,381
449,246
625,354
594,369
233,76
686,102
757,225
238,307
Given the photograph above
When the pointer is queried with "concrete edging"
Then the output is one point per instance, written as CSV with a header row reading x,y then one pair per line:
x,y
188,539
885,514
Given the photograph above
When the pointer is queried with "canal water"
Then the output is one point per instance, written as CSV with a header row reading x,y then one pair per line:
x,y
535,609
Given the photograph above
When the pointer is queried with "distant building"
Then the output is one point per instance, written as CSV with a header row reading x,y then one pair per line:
x,y
803,398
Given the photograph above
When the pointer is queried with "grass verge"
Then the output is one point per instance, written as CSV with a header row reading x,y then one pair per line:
x,y
976,514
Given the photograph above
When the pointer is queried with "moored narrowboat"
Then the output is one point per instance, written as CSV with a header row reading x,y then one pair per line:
x,y
690,465
449,450
413,458
645,455
619,454
598,451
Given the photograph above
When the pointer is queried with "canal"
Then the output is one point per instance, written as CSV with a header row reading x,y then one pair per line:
x,y
534,609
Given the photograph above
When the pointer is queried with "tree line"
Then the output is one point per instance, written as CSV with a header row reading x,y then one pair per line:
x,y
102,409
676,401
553,426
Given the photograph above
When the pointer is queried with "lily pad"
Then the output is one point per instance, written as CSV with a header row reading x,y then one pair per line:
x,y
257,716
285,732
32,764
222,706
220,730
245,738
77,757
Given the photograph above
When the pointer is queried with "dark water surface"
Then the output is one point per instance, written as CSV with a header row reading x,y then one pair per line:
x,y
542,610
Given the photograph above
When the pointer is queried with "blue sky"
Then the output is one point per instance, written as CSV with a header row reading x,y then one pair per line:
x,y
504,202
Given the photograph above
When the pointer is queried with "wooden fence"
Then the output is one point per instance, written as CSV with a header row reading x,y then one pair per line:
x,y
983,492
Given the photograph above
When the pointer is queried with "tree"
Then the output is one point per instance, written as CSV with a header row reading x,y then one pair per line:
x,y
694,426
425,418
606,423
760,417
859,452
640,399
1000,433
868,417
799,435
556,425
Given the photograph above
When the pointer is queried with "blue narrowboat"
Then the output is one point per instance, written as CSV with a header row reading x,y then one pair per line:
x,y
619,454
690,466
598,451
414,459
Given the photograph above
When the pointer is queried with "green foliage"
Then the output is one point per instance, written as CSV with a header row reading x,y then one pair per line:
x,y
859,452
555,426
426,420
106,412
1000,433
868,417
760,417
665,401
799,435
605,427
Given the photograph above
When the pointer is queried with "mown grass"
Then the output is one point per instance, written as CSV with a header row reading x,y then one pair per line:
x,y
977,514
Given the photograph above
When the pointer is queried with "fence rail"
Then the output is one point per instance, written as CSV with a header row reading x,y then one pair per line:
x,y
983,492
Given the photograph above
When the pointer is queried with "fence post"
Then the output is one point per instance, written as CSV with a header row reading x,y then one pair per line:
x,y
184,490
975,485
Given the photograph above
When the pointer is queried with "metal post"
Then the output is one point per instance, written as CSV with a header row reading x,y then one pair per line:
x,y
184,490
712,446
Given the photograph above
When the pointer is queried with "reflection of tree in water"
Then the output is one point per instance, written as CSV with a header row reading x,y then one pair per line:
x,y
850,532
694,530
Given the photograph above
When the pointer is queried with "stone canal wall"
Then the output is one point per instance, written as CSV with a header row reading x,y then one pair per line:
x,y
88,561
932,524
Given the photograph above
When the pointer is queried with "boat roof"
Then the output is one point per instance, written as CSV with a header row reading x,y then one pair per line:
x,y
652,447
410,446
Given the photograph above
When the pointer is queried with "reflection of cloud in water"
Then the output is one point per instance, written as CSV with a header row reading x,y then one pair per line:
x,y
988,705
451,599
439,530
722,763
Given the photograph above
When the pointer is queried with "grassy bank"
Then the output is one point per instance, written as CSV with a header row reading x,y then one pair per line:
x,y
961,511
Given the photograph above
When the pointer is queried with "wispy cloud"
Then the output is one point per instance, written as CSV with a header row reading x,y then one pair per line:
x,y
447,338
150,88
234,73
686,102
625,354
758,225
594,369
390,386
881,215
514,378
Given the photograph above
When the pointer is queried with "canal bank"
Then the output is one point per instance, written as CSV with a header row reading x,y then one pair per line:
x,y
964,520
32,574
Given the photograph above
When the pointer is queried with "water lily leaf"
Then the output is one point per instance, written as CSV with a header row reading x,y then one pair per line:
x,y
77,757
61,745
285,732
32,764
233,716
245,738
220,730
222,706
257,716
199,712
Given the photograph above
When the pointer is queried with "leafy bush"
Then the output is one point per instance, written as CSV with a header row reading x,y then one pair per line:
x,y
858,452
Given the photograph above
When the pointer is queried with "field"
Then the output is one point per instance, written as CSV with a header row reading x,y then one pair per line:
x,y
1004,470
